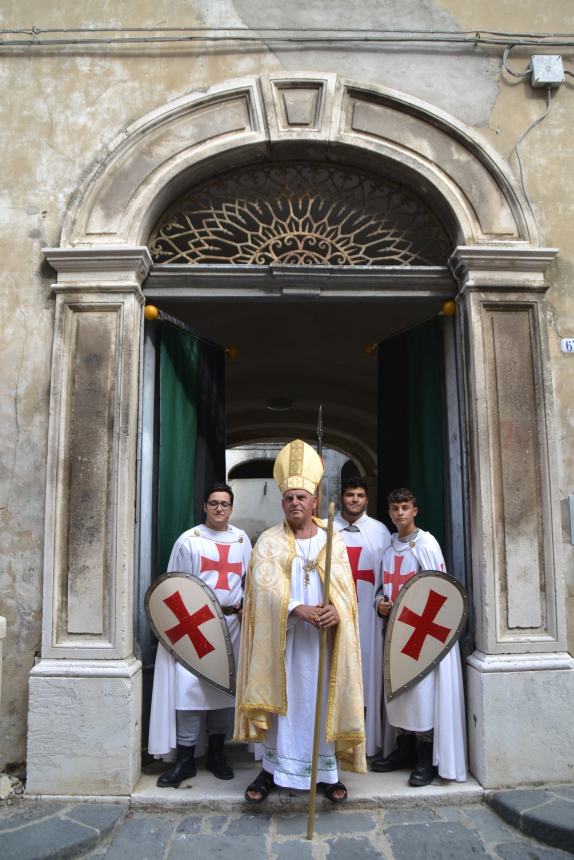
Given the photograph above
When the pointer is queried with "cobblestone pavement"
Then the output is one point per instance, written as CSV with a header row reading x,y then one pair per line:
x,y
49,829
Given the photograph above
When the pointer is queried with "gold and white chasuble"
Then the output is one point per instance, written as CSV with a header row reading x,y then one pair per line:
x,y
273,587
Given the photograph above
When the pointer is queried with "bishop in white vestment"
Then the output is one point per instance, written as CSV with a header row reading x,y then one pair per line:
x,y
283,617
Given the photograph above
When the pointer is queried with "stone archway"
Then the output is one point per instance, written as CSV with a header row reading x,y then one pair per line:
x,y
173,147
85,693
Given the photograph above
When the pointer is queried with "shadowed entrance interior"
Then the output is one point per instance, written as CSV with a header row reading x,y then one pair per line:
x,y
302,354
300,269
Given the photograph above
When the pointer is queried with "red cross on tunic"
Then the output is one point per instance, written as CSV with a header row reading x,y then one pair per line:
x,y
397,579
354,553
223,566
188,625
424,625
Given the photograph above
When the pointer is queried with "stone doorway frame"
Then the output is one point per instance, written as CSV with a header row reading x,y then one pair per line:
x,y
85,692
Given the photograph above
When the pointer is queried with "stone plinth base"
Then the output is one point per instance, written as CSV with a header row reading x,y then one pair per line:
x,y
84,727
520,719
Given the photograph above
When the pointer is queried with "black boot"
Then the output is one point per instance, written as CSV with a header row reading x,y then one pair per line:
x,y
215,760
425,772
403,755
184,768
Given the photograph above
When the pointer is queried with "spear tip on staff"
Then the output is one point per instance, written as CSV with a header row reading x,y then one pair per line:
x,y
320,453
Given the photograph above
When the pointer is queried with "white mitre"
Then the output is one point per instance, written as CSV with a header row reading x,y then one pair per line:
x,y
298,467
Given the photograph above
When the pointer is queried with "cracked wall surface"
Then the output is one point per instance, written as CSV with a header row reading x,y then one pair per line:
x,y
61,106
467,89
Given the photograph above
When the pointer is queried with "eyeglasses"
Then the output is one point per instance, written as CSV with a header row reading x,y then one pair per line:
x,y
223,505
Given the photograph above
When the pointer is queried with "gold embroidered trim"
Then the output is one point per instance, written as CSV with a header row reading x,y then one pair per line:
x,y
296,457
197,533
284,610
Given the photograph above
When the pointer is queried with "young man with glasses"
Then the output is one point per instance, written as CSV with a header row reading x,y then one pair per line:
x,y
183,707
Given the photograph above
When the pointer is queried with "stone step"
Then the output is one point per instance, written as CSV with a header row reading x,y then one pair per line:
x,y
366,791
545,813
54,830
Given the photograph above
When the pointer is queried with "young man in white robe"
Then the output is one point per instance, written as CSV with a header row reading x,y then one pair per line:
x,y
430,717
183,707
366,540
284,613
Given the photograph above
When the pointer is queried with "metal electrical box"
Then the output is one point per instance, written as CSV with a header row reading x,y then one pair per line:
x,y
547,70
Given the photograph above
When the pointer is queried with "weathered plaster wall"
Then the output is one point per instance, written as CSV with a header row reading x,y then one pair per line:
x,y
59,109
547,155
61,106
467,87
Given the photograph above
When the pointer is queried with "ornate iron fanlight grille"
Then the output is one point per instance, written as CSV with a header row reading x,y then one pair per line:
x,y
300,214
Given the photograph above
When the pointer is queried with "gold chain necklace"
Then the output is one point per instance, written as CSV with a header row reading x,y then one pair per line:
x,y
309,563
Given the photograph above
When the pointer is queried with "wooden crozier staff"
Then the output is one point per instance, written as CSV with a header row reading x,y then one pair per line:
x,y
320,453
320,673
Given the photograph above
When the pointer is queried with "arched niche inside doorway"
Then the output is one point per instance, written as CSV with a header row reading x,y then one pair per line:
x,y
257,502
102,264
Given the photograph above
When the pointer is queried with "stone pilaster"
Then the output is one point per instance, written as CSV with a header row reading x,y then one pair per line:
x,y
520,678
85,693
2,637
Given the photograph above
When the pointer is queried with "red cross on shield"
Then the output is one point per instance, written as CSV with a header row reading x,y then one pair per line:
x,y
189,624
186,617
426,620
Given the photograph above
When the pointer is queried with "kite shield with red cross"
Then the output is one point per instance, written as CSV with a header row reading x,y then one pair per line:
x,y
186,617
425,622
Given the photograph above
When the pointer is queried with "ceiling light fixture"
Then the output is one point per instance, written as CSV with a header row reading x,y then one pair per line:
x,y
279,404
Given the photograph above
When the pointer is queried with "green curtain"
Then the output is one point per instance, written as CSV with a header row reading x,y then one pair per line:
x,y
210,451
191,431
178,360
411,410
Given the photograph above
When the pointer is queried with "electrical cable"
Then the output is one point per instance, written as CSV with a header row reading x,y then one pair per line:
x,y
521,138
514,74
552,312
33,31
317,35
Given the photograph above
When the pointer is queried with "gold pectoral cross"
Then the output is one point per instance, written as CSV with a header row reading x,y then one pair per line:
x,y
309,565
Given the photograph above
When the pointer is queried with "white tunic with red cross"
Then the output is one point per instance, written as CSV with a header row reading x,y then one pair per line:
x,y
366,540
436,702
220,559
